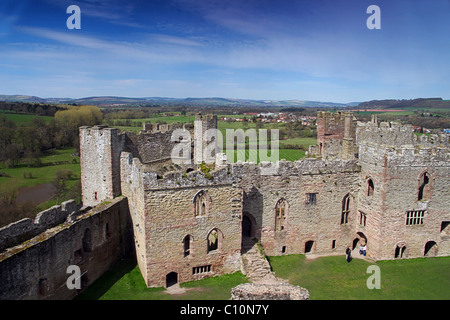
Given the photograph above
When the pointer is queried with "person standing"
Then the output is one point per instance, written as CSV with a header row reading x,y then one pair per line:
x,y
348,254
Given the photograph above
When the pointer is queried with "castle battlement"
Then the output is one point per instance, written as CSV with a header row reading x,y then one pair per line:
x,y
22,230
161,127
404,155
228,173
384,133
397,135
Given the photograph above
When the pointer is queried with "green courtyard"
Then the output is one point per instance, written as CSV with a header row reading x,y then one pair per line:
x,y
326,278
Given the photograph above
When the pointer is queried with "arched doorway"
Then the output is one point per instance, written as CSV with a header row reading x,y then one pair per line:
x,y
360,240
309,246
430,249
171,279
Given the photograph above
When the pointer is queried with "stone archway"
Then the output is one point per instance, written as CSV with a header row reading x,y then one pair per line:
x,y
171,279
358,241
430,249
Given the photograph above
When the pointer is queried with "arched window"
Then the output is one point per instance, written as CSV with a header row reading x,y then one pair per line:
x,y
400,251
187,245
346,206
370,187
280,214
214,240
424,186
202,203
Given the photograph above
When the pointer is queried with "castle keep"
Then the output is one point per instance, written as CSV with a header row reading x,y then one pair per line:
x,y
374,184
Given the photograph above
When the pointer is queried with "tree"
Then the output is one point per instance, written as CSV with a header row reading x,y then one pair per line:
x,y
60,184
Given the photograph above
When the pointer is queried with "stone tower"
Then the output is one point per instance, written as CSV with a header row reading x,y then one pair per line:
x,y
205,138
100,149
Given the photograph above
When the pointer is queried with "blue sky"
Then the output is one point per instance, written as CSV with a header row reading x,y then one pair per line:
x,y
255,49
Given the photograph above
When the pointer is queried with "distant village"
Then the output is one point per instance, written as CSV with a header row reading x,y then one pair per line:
x,y
270,117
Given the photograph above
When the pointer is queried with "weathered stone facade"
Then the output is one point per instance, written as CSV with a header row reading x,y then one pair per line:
x,y
316,205
365,183
359,186
92,239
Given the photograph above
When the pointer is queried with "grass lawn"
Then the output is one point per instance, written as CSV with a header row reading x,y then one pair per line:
x,y
125,282
326,278
333,278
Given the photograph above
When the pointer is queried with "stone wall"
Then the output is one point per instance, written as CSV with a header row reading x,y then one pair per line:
x,y
394,159
282,291
332,128
171,217
313,191
100,149
22,230
94,241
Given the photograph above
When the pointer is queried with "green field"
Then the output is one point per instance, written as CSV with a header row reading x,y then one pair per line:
x,y
44,174
23,118
287,154
334,278
125,282
329,278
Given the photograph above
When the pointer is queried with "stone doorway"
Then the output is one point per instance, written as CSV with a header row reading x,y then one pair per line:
x,y
171,279
430,249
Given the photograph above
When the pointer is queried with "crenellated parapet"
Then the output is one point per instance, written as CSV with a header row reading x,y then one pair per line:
x,y
144,177
404,156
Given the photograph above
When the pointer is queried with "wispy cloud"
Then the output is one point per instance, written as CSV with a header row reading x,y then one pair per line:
x,y
113,11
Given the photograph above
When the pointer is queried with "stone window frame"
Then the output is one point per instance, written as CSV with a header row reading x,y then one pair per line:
x,y
370,187
401,250
347,202
201,203
415,217
311,198
281,214
188,250
210,246
424,186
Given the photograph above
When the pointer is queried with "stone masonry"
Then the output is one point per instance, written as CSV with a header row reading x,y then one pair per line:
x,y
373,184
360,185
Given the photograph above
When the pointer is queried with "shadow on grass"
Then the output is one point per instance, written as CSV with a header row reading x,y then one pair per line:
x,y
108,279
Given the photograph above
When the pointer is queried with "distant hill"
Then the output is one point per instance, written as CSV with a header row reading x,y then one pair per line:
x,y
105,101
399,104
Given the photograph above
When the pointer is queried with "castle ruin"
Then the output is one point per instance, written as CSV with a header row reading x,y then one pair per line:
x,y
375,184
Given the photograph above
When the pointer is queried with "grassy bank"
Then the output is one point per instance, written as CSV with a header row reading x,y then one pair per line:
x,y
326,278
333,278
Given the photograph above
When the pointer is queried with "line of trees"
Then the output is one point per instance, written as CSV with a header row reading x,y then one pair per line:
x,y
27,142
39,109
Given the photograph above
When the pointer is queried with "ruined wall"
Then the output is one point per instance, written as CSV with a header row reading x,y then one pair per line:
x,y
133,176
94,241
335,135
201,141
171,216
22,230
314,190
395,160
100,149
279,291
154,143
